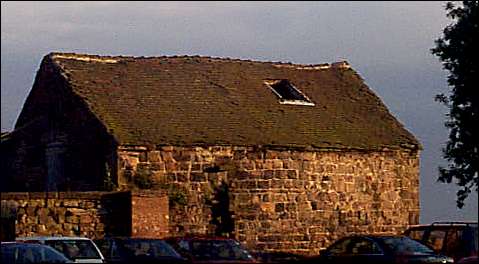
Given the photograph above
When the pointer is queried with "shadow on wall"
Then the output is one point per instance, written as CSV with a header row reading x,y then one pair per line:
x,y
221,216
7,217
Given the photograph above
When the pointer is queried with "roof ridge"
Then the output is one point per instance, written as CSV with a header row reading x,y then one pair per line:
x,y
114,59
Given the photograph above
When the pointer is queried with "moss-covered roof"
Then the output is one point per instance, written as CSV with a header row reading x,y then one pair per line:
x,y
190,100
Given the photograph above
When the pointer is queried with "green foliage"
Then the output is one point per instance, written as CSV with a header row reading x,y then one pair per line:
x,y
177,197
143,179
108,184
457,49
176,194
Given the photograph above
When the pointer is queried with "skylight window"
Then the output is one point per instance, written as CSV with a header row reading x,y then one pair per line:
x,y
287,93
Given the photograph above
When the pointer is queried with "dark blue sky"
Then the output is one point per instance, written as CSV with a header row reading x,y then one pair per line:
x,y
387,43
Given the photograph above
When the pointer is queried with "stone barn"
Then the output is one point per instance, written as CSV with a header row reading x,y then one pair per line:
x,y
281,156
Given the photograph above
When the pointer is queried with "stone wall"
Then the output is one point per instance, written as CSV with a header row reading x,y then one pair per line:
x,y
89,214
150,215
282,200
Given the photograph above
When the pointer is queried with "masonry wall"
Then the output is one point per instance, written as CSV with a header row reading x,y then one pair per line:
x,y
281,200
150,214
89,214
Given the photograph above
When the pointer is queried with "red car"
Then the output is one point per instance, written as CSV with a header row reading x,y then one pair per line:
x,y
454,239
204,249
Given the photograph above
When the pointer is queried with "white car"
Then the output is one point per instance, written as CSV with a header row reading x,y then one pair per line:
x,y
77,249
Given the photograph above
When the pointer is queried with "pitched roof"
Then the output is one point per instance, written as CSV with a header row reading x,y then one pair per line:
x,y
189,100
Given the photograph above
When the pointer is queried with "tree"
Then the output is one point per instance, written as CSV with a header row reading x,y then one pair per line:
x,y
457,50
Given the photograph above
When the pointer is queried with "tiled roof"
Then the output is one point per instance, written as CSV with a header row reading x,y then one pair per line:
x,y
190,100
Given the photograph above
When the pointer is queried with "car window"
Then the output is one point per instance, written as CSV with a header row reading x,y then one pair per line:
x,y
405,246
339,248
218,250
104,246
75,249
363,247
436,239
146,247
416,234
50,255
31,254
472,240
184,245
454,244
237,251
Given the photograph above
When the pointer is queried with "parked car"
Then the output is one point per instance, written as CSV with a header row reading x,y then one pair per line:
x,y
77,249
204,249
469,260
138,250
378,249
454,239
19,253
278,257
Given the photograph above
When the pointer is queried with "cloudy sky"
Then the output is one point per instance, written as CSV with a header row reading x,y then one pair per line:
x,y
387,43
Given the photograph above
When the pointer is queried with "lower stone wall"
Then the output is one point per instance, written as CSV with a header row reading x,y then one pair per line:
x,y
150,214
279,199
89,214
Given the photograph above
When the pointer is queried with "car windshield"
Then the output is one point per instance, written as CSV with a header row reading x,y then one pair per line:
x,y
151,248
218,250
75,249
30,253
405,246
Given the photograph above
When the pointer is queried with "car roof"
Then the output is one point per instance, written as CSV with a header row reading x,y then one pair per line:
x,y
45,238
444,225
8,242
14,243
131,238
376,235
199,237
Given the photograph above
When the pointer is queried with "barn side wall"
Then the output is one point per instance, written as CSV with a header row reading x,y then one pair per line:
x,y
279,200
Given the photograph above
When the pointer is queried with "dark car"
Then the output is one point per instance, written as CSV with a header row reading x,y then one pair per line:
x,y
19,253
138,250
378,249
77,249
204,249
454,239
278,257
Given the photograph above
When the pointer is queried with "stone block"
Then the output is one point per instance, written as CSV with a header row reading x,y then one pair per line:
x,y
264,184
277,164
279,207
272,154
197,167
277,184
154,156
247,165
292,174
289,184
183,176
268,174
242,175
